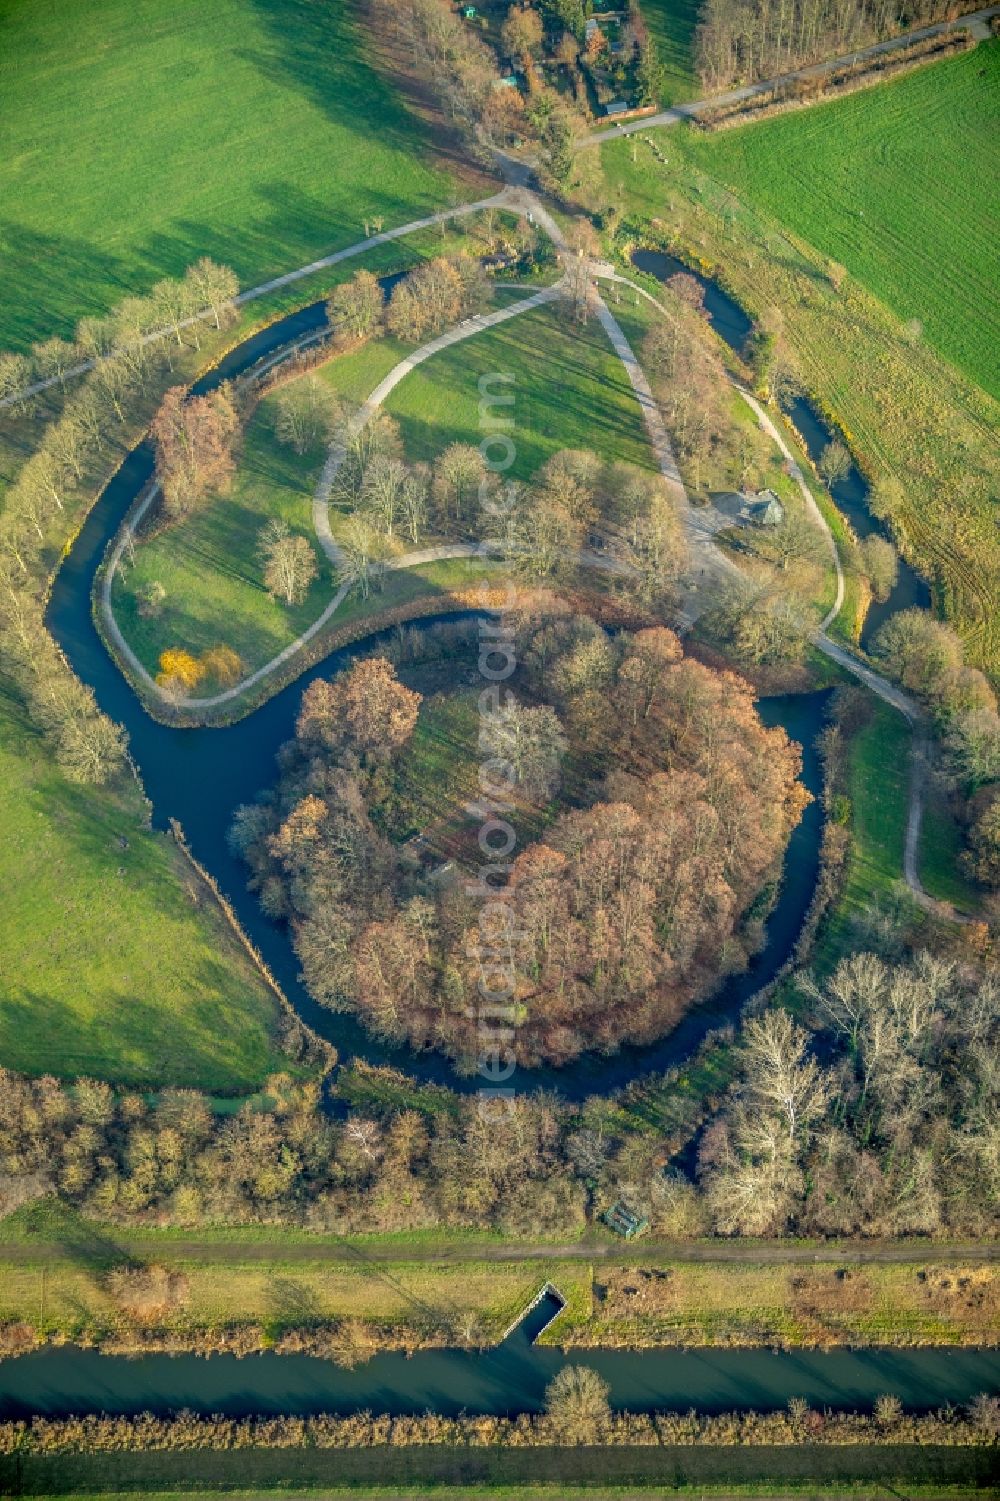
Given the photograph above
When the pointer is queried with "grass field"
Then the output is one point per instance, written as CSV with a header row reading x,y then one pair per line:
x,y
71,1299
209,565
672,24
114,962
570,390
899,184
911,416
142,134
878,785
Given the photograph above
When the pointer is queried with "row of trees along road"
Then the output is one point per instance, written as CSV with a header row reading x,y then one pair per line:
x,y
740,41
76,437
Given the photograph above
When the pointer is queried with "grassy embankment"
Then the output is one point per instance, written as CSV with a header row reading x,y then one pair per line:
x,y
209,566
116,962
142,134
770,204
249,1289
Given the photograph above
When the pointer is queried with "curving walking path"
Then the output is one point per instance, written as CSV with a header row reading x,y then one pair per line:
x,y
710,565
701,530
384,237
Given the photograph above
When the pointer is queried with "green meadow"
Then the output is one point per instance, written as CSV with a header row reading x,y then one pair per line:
x,y
115,960
142,134
901,185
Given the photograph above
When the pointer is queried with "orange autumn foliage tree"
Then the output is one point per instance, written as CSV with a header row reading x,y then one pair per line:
x,y
624,912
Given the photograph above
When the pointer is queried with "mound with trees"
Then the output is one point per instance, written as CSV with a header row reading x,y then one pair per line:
x,y
631,903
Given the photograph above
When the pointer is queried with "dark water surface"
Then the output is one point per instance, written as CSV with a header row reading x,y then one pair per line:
x,y
851,492
506,1380
200,776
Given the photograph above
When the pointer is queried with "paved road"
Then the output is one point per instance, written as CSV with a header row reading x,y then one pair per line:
x,y
977,23
108,1243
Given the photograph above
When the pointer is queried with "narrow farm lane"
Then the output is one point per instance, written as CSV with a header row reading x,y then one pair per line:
x,y
977,23
112,1243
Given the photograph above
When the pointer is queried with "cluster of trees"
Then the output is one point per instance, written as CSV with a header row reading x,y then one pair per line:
x,y
926,655
195,438
895,1132
877,1117
573,1406
123,1159
447,52
435,295
762,623
740,41
612,923
574,501
460,67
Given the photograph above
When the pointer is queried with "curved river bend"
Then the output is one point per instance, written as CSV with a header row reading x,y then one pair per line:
x,y
200,777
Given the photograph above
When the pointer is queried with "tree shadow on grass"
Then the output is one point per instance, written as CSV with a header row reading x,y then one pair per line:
x,y
67,277
87,1245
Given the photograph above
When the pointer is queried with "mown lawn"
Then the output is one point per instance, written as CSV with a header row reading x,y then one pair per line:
x,y
900,184
569,390
69,1297
114,961
209,564
798,1305
210,567
142,134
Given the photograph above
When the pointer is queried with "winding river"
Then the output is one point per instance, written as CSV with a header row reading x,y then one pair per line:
x,y
851,491
199,777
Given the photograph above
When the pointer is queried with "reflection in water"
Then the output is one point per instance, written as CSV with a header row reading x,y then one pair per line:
x,y
508,1379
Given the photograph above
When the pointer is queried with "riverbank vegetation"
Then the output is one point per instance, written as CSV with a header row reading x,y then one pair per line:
x,y
799,1425
864,364
108,930
875,1115
739,43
